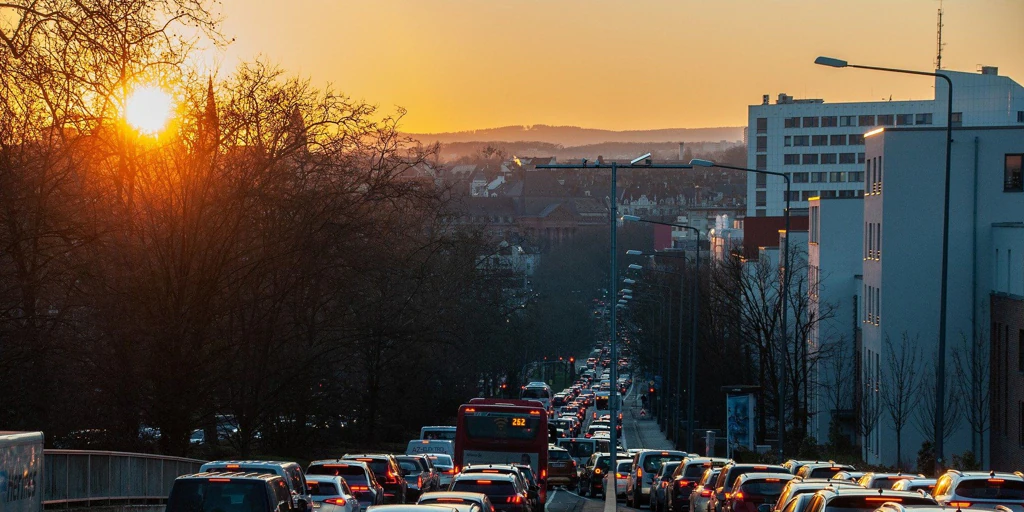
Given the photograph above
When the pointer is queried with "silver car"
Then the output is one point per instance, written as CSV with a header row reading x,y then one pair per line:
x,y
700,498
331,494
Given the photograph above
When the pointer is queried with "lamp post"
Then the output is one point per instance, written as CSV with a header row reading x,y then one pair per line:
x,y
695,298
642,162
940,370
785,287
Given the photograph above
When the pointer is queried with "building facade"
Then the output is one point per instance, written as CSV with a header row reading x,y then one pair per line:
x,y
1006,357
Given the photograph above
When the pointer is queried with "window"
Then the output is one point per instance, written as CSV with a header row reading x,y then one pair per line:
x,y
1020,351
809,158
801,177
904,119
792,159
923,119
829,158
847,120
819,177
851,193
762,180
886,119
759,213
861,157
810,122
762,143
801,140
1020,116
819,140
957,119
762,125
838,140
794,195
792,122
878,240
847,158
1012,179
837,177
787,141
856,139
808,194
866,120
829,121
762,198
855,177
762,162
827,194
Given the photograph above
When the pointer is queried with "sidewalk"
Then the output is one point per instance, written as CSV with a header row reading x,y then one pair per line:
x,y
641,431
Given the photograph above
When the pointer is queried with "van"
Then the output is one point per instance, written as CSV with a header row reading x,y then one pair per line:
x,y
444,432
419,446
579,448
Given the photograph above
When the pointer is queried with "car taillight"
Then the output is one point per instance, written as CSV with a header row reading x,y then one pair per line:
x,y
736,496
336,501
543,474
639,473
597,471
419,481
514,499
960,504
706,493
357,488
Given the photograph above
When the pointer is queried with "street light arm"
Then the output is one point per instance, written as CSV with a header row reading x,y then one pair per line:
x,y
710,163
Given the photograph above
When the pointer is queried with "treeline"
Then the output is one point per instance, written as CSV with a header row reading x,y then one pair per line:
x,y
265,258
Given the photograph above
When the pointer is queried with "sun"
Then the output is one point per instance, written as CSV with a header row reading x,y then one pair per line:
x,y
148,109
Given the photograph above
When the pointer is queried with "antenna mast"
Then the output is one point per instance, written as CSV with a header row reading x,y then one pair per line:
x,y
938,51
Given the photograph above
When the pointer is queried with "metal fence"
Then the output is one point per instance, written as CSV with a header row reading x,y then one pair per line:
x,y
83,478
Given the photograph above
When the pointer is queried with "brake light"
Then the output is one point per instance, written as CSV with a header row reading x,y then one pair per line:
x,y
543,474
514,499
773,480
535,412
450,471
995,480
760,468
737,496
639,473
960,504
335,465
357,488
706,493
597,471
220,479
450,500
490,471
471,409
336,501
233,466
419,481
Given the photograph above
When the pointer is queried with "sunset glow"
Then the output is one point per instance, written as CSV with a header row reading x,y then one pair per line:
x,y
148,109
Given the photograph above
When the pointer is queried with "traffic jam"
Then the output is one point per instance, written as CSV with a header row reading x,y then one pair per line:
x,y
550,451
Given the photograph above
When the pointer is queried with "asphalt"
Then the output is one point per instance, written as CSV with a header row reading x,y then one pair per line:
x,y
639,431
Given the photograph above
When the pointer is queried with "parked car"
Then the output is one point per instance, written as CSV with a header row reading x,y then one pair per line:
x,y
331,494
358,475
231,492
983,488
645,465
419,474
387,472
290,471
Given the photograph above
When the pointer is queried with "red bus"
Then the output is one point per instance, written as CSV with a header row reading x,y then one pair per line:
x,y
503,431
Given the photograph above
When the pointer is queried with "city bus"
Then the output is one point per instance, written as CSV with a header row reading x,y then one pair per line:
x,y
503,431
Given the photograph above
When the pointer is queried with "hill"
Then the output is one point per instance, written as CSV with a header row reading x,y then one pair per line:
x,y
576,136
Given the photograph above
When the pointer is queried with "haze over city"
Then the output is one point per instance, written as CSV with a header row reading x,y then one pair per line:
x,y
468,64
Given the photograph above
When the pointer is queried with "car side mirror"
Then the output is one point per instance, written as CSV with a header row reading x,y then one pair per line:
x,y
764,507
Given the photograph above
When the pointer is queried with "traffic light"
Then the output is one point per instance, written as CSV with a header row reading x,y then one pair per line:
x,y
572,359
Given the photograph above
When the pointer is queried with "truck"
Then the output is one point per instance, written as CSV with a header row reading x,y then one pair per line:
x,y
21,471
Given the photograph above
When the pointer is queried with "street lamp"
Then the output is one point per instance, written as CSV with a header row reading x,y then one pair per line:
x,y
691,380
940,370
785,286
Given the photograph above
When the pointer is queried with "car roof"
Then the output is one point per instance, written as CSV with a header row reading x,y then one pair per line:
x,y
341,462
486,476
252,463
406,508
861,491
754,476
455,494
229,474
375,456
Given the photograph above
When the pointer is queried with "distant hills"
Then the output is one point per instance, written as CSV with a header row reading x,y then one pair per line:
x,y
576,136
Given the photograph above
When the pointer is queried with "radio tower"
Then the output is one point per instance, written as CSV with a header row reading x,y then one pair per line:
x,y
938,51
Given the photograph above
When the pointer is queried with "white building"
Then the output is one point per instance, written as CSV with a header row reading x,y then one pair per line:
x,y
901,248
821,145
833,286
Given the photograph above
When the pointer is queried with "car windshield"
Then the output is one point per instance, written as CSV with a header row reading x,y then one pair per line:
x,y
322,488
653,462
379,467
441,460
488,487
409,465
694,471
208,495
763,487
991,489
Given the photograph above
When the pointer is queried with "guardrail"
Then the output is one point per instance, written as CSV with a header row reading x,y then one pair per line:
x,y
84,478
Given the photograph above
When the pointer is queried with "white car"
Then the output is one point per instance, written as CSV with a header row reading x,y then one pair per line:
x,y
621,474
445,467
331,494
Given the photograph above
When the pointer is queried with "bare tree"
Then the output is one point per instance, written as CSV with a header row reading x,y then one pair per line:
x,y
900,386
924,416
971,360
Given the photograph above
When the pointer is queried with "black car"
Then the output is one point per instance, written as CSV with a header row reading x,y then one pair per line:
x,y
420,476
232,492
388,473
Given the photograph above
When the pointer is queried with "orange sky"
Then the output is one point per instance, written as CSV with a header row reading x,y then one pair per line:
x,y
615,64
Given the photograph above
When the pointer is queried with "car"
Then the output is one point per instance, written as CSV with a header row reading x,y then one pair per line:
x,y
685,479
580,448
290,471
849,476
661,484
420,475
445,467
504,491
645,465
916,484
561,468
456,498
592,477
700,498
754,489
872,480
823,469
621,475
231,491
331,494
385,468
794,465
358,475
808,486
537,495
972,488
402,507
504,469
797,502
850,499
726,479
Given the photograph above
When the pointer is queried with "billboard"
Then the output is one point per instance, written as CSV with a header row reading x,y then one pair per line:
x,y
740,421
